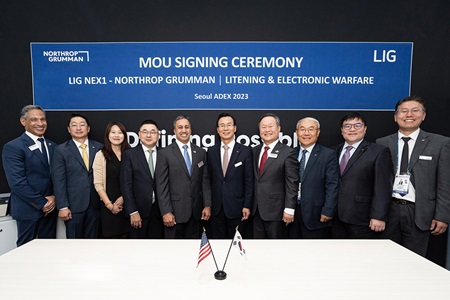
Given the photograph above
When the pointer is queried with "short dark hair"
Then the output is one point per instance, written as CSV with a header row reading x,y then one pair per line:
x,y
270,115
410,98
181,117
223,115
75,115
352,116
149,121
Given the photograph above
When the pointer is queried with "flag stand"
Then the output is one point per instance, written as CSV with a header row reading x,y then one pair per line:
x,y
220,275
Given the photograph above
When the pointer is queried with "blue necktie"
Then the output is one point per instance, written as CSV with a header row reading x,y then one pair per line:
x,y
302,170
43,150
187,159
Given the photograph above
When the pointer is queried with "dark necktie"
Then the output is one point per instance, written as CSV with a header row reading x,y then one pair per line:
x,y
345,159
263,159
43,150
302,164
405,156
150,163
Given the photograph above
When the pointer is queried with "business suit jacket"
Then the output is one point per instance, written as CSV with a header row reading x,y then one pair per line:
x,y
277,186
320,186
365,190
29,177
178,192
136,181
430,176
73,183
234,190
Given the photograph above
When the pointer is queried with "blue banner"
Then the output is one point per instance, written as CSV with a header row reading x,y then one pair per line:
x,y
220,75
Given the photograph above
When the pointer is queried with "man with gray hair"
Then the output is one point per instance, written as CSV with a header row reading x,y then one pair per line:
x,y
26,161
318,184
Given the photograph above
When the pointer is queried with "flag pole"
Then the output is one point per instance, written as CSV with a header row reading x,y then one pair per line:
x,y
212,252
229,249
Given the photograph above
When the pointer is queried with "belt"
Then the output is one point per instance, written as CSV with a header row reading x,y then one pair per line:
x,y
401,201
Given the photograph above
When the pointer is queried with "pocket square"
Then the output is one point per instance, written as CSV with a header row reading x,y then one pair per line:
x,y
425,157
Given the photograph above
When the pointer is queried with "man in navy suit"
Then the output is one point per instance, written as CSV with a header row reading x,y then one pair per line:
x,y
319,184
137,183
26,161
76,198
421,192
276,171
230,166
365,186
182,184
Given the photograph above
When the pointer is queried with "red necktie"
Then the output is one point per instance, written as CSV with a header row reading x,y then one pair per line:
x,y
263,159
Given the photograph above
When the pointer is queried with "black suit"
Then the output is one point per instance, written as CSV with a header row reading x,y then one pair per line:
x,y
364,192
138,187
319,194
430,176
232,192
180,193
276,188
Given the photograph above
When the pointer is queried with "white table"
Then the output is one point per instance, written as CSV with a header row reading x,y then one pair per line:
x,y
166,269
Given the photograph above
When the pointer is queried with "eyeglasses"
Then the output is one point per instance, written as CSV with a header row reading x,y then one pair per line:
x,y
348,126
146,133
414,111
303,130
74,125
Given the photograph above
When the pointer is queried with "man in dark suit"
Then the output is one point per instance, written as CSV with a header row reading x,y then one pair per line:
x,y
230,166
421,204
137,183
319,184
182,186
365,186
276,171
76,199
26,161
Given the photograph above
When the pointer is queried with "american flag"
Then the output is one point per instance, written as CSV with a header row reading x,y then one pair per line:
x,y
205,248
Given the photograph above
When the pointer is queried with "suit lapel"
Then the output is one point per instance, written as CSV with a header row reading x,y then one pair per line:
x,y
393,147
422,141
270,160
358,152
92,151
72,147
256,154
141,158
29,142
312,159
233,158
177,153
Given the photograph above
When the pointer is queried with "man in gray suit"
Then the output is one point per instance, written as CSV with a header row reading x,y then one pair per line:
x,y
182,185
421,189
276,182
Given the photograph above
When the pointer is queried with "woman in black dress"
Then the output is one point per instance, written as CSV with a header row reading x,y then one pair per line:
x,y
115,223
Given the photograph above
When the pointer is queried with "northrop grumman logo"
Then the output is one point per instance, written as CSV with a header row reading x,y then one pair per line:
x,y
66,56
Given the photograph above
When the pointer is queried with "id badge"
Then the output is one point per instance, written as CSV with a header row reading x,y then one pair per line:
x,y
299,191
401,183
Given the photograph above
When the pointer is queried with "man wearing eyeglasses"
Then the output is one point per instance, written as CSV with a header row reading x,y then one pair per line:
x,y
137,183
230,166
365,185
76,198
421,204
318,184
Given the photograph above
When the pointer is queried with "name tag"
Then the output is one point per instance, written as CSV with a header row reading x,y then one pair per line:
x,y
273,155
238,164
201,164
33,147
425,157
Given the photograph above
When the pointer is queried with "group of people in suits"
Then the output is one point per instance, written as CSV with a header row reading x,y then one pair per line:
x,y
269,191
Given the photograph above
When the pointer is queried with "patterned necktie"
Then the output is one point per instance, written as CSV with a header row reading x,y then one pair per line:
x,y
187,159
405,156
345,158
84,155
263,159
43,150
302,164
225,159
150,162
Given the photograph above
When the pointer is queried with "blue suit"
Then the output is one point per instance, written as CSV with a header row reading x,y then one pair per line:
x,y
232,192
74,189
28,175
319,193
